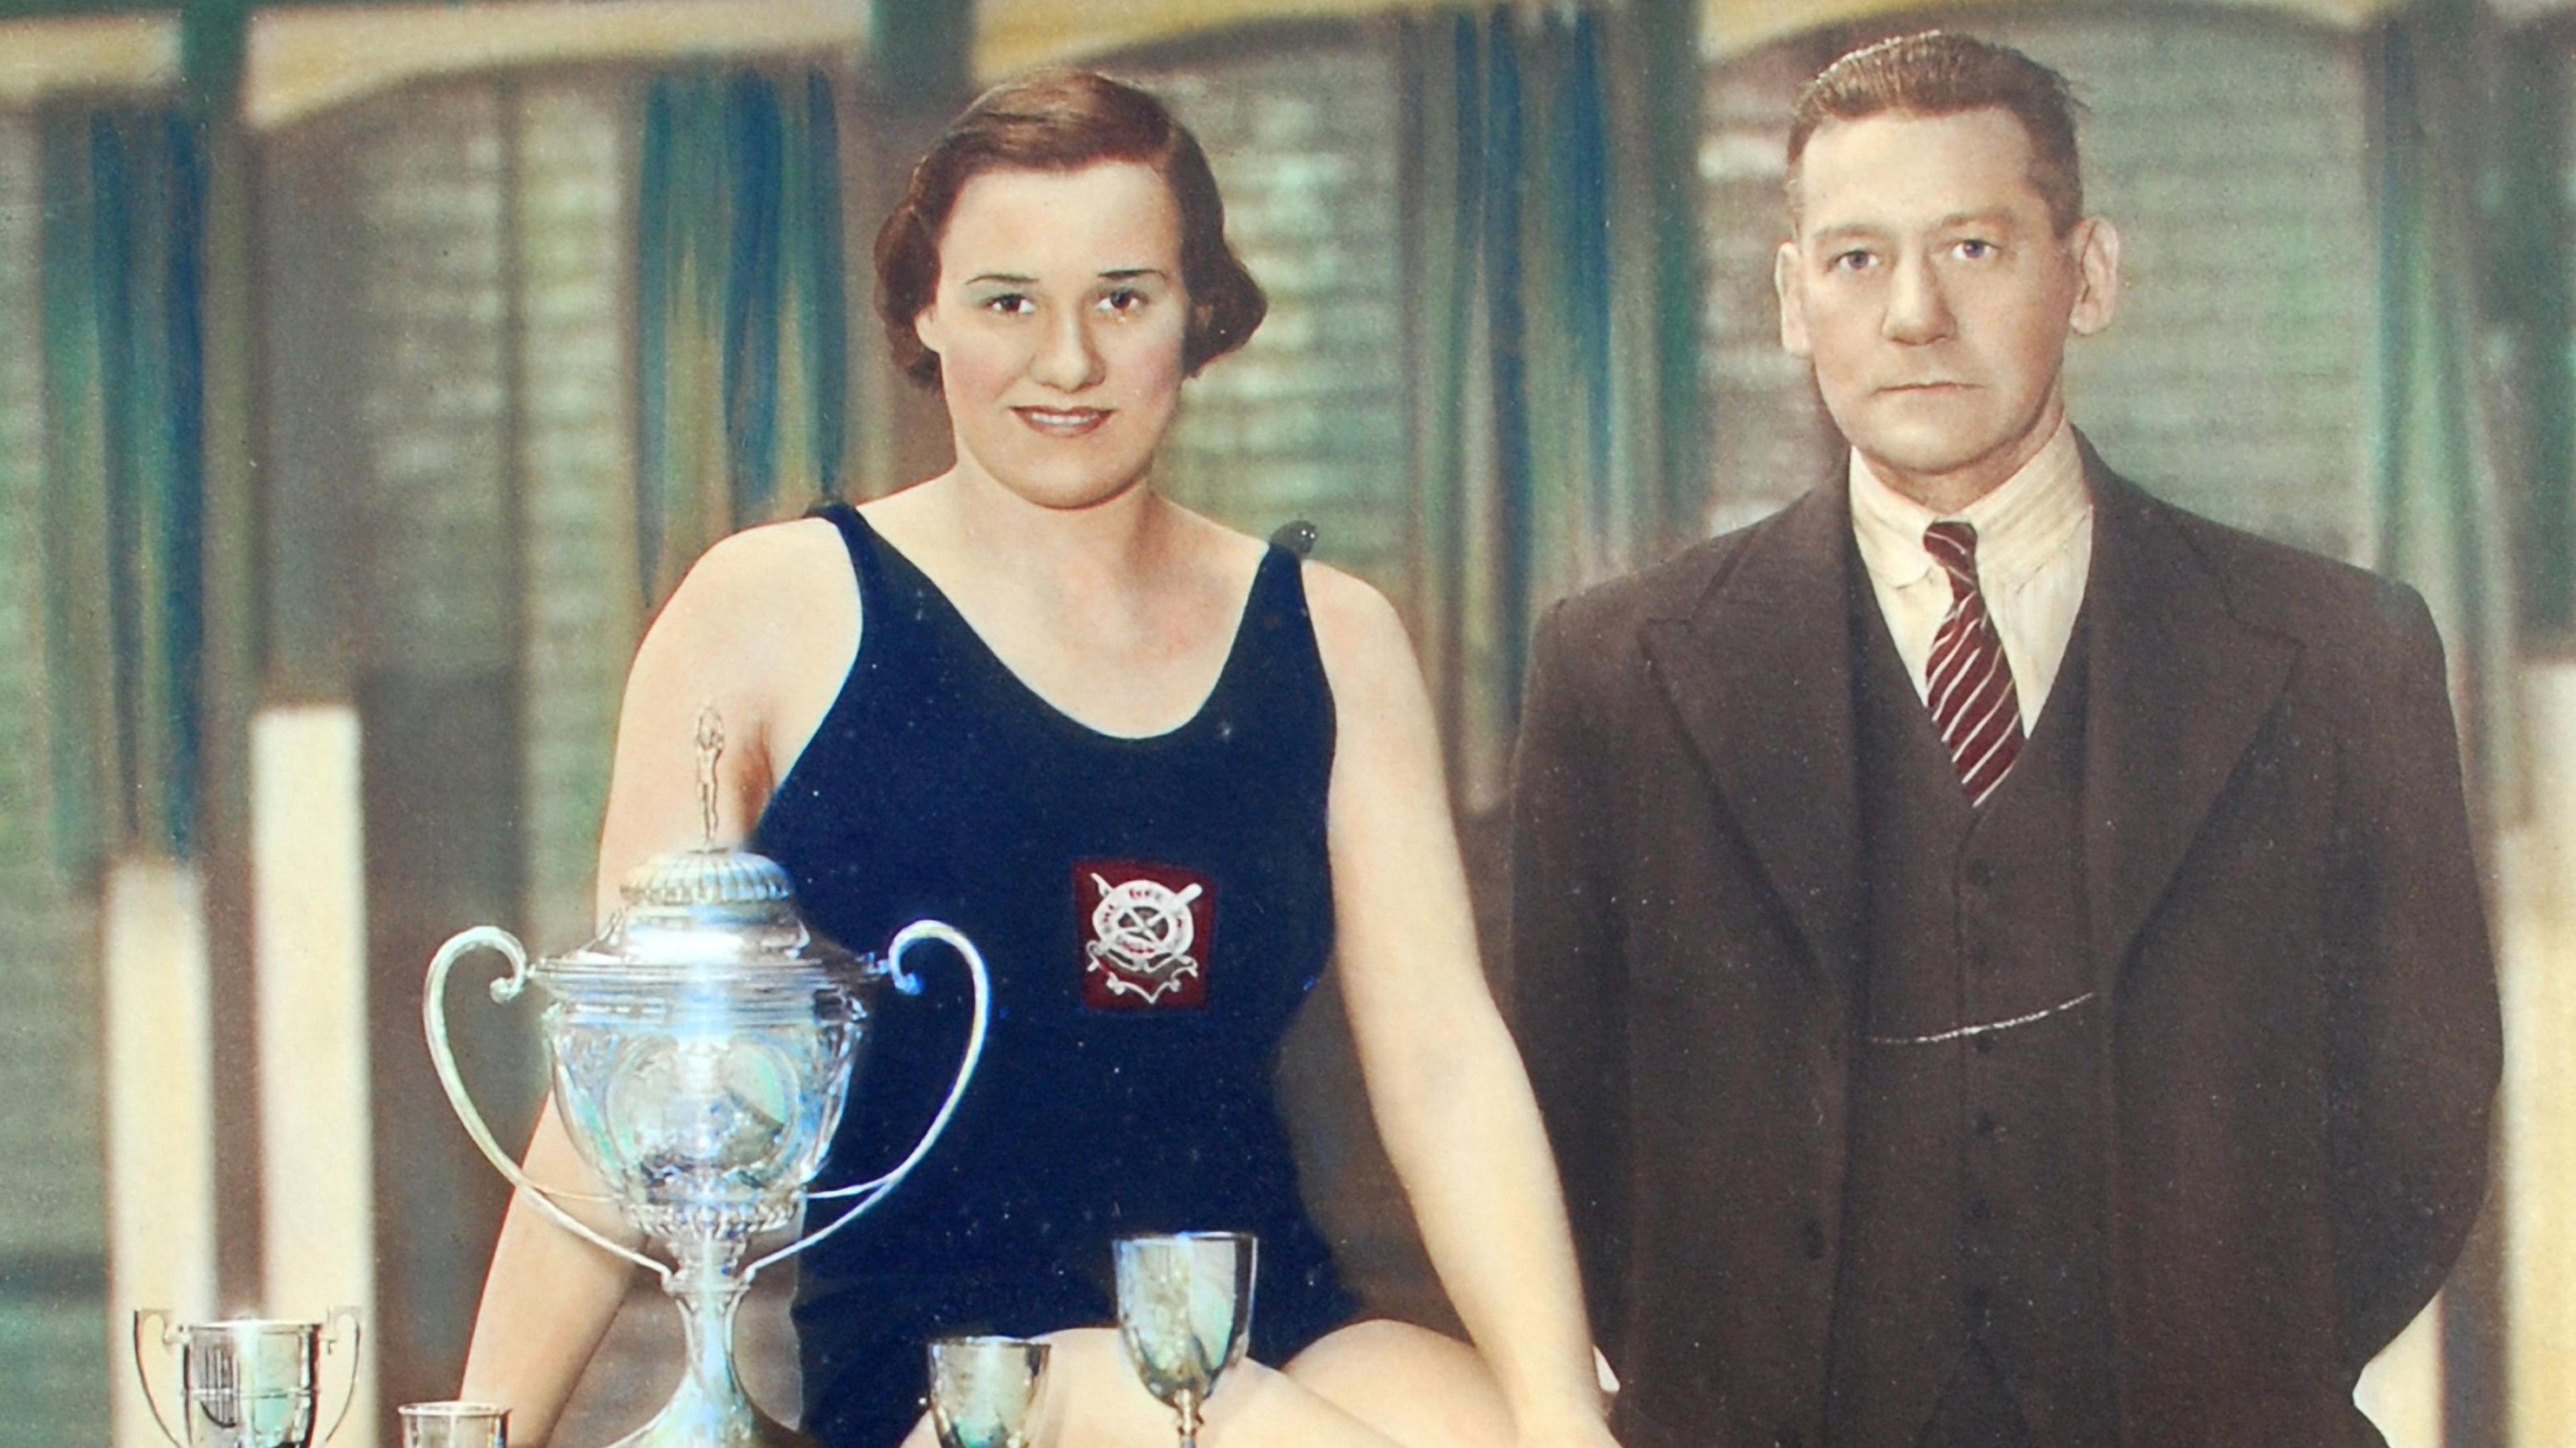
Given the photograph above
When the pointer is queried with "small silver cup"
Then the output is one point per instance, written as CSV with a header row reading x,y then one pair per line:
x,y
450,1423
248,1382
983,1390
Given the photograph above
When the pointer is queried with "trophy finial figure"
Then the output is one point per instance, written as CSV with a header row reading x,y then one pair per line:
x,y
711,743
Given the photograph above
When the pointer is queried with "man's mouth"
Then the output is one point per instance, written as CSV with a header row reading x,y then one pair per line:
x,y
1063,421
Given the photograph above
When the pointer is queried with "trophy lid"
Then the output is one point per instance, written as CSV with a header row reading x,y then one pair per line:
x,y
708,913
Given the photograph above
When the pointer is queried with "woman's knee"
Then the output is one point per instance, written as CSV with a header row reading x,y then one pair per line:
x,y
1419,1387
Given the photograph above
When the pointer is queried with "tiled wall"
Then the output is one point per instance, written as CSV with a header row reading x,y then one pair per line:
x,y
1308,420
462,255
576,464
53,1330
1768,438
2231,151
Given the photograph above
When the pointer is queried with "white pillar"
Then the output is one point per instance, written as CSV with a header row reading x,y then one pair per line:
x,y
160,1125
2537,1139
308,882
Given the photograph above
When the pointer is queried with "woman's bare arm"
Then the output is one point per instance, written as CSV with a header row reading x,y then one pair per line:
x,y
765,622
1444,1082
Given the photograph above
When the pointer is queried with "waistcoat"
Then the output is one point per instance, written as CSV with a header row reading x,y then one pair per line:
x,y
1970,1306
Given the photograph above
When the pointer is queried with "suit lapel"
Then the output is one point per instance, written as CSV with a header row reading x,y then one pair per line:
x,y
1758,668
2178,686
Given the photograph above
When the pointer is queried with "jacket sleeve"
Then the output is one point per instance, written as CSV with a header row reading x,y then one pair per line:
x,y
1566,970
2417,1043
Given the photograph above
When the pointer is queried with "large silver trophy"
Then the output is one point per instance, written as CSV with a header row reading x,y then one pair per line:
x,y
702,1048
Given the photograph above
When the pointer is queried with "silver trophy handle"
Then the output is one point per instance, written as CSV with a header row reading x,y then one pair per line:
x,y
357,1340
151,1399
872,1192
433,1019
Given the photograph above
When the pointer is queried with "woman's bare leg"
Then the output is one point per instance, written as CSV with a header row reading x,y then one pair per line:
x,y
1371,1385
1420,1388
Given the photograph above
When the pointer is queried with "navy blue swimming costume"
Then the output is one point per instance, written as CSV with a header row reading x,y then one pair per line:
x,y
1152,911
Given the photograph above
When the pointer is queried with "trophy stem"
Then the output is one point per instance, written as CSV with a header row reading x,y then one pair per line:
x,y
710,1409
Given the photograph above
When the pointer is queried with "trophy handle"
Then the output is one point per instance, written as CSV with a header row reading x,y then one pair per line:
x,y
871,1192
151,1399
433,1020
357,1340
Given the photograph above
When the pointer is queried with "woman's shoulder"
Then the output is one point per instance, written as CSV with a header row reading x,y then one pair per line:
x,y
766,617
767,576
762,628
770,558
1357,629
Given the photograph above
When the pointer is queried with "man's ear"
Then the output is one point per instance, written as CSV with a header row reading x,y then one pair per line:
x,y
1790,283
2097,265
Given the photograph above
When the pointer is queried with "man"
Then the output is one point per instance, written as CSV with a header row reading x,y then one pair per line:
x,y
2000,956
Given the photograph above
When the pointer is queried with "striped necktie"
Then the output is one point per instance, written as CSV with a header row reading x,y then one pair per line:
x,y
1971,685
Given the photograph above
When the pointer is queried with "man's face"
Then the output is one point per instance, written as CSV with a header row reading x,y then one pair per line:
x,y
1932,292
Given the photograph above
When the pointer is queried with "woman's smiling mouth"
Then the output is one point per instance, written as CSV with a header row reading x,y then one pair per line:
x,y
1063,421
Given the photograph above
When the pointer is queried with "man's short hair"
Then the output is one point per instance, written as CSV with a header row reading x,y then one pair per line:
x,y
1934,73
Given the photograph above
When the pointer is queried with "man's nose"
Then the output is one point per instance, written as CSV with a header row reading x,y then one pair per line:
x,y
1917,311
1067,360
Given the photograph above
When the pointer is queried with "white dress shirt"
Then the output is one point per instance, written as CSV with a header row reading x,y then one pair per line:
x,y
2034,550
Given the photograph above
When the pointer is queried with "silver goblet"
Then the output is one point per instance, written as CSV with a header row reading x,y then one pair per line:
x,y
453,1424
1185,1314
983,1390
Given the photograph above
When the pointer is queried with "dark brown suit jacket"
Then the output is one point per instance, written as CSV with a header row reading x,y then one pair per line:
x,y
2302,1038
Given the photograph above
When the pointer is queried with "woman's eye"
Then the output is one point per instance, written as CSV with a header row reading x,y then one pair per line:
x,y
1122,300
1008,304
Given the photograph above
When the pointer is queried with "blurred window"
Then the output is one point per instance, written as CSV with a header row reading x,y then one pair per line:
x,y
1310,419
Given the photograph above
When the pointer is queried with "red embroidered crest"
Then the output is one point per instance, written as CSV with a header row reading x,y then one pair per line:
x,y
1147,931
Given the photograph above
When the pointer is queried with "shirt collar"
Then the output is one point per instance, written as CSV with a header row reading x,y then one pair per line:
x,y
2020,525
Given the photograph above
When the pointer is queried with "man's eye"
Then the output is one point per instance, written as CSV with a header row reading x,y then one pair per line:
x,y
1855,260
1977,249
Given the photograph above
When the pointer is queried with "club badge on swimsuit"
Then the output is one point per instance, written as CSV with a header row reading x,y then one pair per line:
x,y
1147,933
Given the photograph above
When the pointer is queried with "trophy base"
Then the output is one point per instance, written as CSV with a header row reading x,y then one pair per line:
x,y
682,1425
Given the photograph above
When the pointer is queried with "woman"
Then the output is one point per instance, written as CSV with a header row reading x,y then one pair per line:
x,y
1011,693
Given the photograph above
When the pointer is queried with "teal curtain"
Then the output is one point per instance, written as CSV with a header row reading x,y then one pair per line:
x,y
123,481
2438,509
1554,302
740,319
2529,161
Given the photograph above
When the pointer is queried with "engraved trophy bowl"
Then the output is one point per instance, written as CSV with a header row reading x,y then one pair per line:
x,y
701,1052
249,1382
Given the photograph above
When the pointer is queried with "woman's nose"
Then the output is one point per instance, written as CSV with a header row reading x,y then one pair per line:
x,y
1067,360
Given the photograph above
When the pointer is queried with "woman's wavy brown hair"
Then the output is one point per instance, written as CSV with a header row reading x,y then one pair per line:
x,y
1064,120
